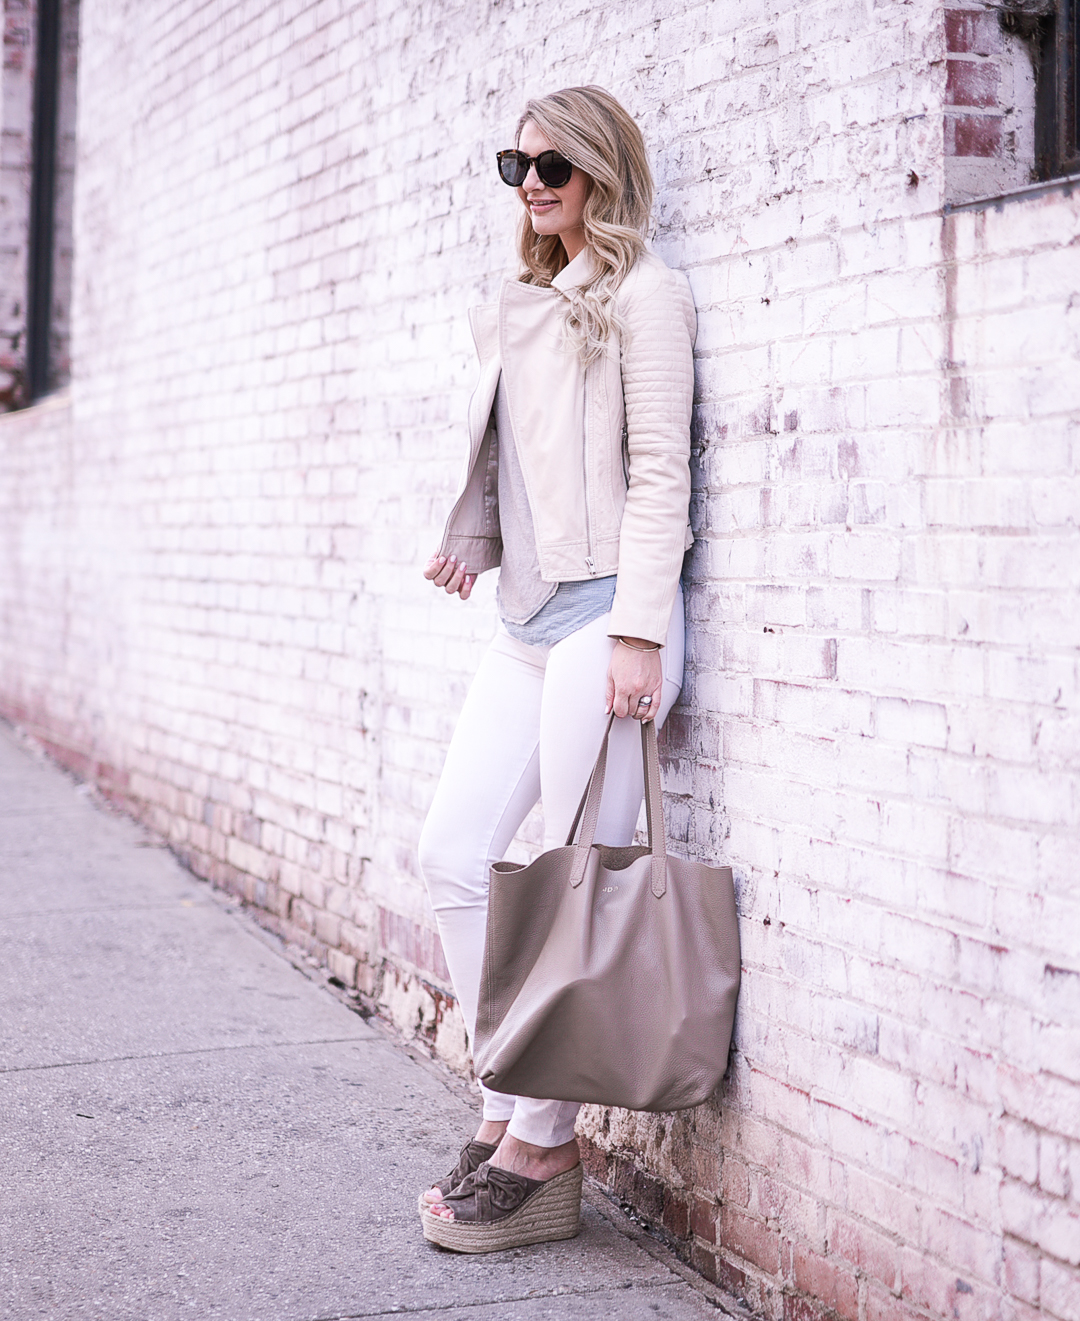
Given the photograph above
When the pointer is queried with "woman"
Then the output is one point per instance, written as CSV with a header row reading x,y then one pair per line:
x,y
578,487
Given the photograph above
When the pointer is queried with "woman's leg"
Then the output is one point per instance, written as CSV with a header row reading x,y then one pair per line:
x,y
572,723
490,782
533,720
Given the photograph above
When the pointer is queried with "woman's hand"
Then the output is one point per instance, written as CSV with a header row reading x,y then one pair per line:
x,y
632,675
445,572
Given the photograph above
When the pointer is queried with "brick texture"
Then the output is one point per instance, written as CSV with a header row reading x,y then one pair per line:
x,y
989,100
210,599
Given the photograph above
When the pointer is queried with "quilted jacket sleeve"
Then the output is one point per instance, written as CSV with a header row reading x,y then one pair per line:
x,y
658,388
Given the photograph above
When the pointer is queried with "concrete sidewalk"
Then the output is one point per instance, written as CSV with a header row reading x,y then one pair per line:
x,y
191,1128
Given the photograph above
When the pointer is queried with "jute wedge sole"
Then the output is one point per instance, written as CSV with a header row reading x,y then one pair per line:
x,y
552,1212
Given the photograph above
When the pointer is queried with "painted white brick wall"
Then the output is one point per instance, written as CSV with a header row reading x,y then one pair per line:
x,y
210,597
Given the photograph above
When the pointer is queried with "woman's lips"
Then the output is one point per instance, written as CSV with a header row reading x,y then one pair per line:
x,y
540,207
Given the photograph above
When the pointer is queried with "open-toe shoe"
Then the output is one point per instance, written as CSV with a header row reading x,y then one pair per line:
x,y
471,1157
495,1209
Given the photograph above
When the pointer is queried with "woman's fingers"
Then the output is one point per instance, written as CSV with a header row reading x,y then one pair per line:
x,y
456,580
635,708
648,711
630,704
445,571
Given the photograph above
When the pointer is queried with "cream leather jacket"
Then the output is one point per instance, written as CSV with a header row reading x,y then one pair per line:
x,y
605,451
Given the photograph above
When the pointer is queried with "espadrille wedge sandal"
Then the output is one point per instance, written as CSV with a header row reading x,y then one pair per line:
x,y
472,1156
494,1210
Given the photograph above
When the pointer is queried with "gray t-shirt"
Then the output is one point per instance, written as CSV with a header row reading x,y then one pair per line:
x,y
532,610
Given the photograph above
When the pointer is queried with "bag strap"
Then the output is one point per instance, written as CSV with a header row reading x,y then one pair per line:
x,y
654,808
589,809
588,812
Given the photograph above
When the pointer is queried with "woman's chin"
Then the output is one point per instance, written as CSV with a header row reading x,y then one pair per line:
x,y
541,225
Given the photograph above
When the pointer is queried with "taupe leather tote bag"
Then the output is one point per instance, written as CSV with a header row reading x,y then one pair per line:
x,y
610,974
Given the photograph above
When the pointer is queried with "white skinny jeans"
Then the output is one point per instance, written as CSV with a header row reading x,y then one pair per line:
x,y
530,729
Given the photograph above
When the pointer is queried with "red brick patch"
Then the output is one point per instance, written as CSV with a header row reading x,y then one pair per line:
x,y
595,1161
703,1219
676,1216
864,1248
727,1274
972,135
936,1288
802,1309
403,939
882,1306
825,1279
972,32
752,1239
708,1264
971,84
735,1182
643,1191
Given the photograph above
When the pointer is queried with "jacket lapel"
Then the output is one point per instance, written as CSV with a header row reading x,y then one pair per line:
x,y
484,323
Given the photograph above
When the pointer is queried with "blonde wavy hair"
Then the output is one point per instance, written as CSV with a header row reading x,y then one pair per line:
x,y
593,131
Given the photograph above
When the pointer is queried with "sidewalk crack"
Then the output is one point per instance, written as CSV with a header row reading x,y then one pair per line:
x,y
558,1291
195,1050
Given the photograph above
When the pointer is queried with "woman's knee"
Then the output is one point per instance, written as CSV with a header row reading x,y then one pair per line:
x,y
453,868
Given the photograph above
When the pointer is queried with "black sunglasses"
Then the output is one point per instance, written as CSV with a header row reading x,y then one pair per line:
x,y
551,168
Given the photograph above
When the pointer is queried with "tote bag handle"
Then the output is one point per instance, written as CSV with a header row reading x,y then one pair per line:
x,y
588,811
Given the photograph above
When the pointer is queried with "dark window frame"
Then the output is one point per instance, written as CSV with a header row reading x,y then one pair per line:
x,y
1057,104
42,227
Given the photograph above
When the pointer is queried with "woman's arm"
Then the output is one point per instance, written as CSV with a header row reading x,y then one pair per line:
x,y
657,366
657,361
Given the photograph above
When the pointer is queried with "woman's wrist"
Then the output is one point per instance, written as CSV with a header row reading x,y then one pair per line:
x,y
638,644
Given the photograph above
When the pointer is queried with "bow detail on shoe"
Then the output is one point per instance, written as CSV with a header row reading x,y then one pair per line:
x,y
490,1194
470,1158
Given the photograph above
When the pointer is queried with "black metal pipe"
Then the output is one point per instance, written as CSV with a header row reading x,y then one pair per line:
x,y
1070,56
42,198
1057,106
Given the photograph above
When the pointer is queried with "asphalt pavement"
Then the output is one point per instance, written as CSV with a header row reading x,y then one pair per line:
x,y
192,1127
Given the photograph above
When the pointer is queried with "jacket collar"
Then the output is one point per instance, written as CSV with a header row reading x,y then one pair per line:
x,y
576,273
484,320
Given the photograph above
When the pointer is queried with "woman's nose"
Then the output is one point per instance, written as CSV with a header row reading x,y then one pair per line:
x,y
532,180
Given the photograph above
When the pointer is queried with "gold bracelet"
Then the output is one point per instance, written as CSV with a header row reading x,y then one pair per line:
x,y
633,648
